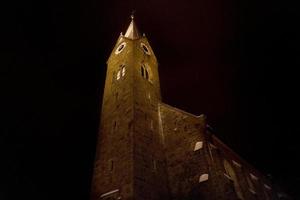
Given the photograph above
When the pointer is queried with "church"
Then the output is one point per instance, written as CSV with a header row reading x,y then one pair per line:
x,y
149,150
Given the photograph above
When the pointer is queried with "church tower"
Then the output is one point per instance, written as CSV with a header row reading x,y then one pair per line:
x,y
129,160
149,150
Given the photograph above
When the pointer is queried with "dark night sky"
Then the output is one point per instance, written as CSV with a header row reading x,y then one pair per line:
x,y
235,61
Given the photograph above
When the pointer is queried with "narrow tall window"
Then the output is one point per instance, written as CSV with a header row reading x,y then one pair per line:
x,y
123,70
146,72
147,75
111,167
118,75
142,71
115,125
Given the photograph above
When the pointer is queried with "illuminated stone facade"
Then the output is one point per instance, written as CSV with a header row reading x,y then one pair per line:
x,y
148,150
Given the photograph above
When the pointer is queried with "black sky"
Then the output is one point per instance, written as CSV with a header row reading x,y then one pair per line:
x,y
235,61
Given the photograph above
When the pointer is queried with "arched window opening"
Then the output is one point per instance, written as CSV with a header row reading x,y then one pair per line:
x,y
142,70
120,48
118,75
198,145
147,75
145,49
203,177
123,70
146,72
115,125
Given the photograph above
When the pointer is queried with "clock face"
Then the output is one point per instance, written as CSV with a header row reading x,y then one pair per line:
x,y
145,49
120,48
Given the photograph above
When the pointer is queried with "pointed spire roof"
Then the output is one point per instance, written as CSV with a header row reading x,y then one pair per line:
x,y
132,30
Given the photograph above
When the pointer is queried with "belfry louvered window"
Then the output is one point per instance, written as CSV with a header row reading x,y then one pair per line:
x,y
142,70
147,75
145,72
121,72
118,75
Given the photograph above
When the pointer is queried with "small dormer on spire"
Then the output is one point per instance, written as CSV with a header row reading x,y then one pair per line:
x,y
132,30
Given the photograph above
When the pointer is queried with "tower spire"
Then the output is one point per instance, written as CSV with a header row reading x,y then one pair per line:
x,y
132,15
132,30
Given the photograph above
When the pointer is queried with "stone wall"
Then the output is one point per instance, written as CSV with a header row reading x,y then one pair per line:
x,y
229,176
113,169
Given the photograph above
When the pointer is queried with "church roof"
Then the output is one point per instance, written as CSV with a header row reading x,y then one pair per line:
x,y
132,30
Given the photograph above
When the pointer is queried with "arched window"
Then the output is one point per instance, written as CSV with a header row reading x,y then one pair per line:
x,y
118,75
111,165
146,72
121,72
198,145
203,177
120,48
147,75
115,125
142,70
145,49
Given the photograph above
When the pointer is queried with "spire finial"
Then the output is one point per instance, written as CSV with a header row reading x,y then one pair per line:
x,y
132,31
132,15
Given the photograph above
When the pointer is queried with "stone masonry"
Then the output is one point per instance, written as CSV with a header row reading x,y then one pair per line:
x,y
148,150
